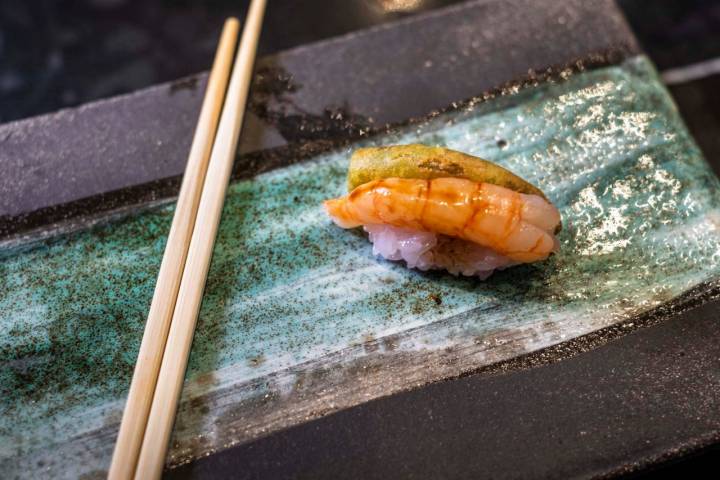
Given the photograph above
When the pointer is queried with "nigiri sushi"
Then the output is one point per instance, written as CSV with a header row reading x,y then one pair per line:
x,y
436,208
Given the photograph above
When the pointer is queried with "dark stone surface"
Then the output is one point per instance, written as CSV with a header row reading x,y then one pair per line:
x,y
58,53
97,148
334,90
699,104
638,400
409,68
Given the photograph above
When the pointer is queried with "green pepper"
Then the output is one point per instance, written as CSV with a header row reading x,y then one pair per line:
x,y
422,161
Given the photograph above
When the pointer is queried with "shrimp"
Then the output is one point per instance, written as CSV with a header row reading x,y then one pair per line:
x,y
518,226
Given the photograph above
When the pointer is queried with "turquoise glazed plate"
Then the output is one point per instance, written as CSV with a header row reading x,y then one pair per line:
x,y
300,319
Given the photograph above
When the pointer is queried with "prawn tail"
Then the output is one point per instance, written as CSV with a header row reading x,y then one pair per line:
x,y
338,211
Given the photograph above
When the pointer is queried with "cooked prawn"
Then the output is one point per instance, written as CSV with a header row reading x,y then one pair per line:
x,y
517,225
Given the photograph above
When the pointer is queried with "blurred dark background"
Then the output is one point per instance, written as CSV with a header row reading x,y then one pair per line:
x,y
61,53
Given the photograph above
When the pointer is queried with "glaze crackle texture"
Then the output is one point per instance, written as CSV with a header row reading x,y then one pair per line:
x,y
299,318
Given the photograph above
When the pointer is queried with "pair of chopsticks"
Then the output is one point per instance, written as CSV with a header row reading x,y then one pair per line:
x,y
160,370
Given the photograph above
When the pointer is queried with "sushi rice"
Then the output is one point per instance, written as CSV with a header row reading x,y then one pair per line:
x,y
432,251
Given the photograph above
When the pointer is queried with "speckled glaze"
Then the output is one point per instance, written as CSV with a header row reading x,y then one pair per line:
x,y
299,318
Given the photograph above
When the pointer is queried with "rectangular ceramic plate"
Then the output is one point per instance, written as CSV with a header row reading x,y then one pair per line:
x,y
299,318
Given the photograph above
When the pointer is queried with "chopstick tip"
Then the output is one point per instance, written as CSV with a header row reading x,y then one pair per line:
x,y
232,21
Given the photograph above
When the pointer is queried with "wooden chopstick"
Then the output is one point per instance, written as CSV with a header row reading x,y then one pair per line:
x,y
177,349
137,407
